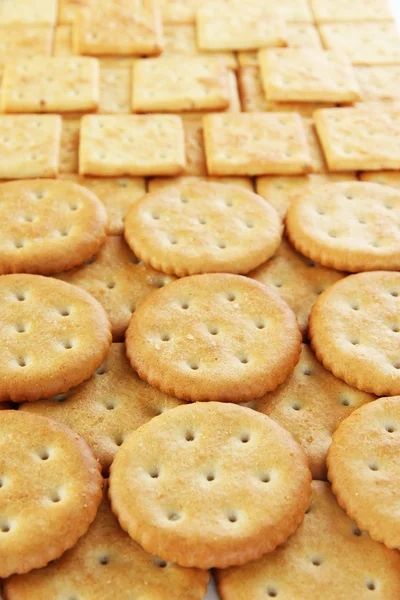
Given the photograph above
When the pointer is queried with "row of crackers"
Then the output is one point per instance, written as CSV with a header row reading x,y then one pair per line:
x,y
236,144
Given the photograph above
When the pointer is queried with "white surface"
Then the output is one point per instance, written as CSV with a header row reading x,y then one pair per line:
x,y
212,592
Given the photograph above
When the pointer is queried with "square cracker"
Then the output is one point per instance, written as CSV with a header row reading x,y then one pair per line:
x,y
168,84
33,12
379,83
63,41
130,28
25,41
161,183
256,144
280,191
253,98
144,145
230,26
69,149
360,139
29,146
53,84
364,43
117,194
115,90
181,39
383,177
326,11
299,35
307,75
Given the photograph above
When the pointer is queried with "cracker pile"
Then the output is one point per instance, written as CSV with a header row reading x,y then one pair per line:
x,y
199,299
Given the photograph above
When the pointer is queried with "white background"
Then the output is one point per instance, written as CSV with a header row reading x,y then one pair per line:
x,y
212,593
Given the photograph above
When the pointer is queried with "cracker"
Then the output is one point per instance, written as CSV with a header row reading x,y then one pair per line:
x,y
160,183
107,554
317,156
29,146
256,144
364,43
25,41
63,41
178,11
391,178
307,75
139,30
353,331
62,495
168,84
253,97
209,337
106,409
39,12
296,405
118,280
350,226
303,35
51,85
115,90
379,83
296,279
115,145
69,149
194,146
227,26
248,58
363,457
362,138
246,485
328,557
181,40
116,62
280,191
48,225
67,9
117,195
326,11
296,11
203,227
67,324
233,91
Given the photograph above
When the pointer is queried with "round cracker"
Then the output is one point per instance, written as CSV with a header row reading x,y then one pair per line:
x,y
106,564
118,280
202,227
50,488
54,336
327,558
47,226
355,331
106,408
363,467
210,484
214,337
311,404
296,279
350,226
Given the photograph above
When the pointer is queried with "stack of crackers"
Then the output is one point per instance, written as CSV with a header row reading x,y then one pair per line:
x,y
199,299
